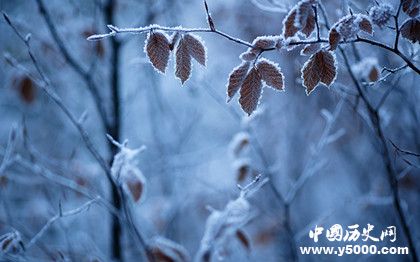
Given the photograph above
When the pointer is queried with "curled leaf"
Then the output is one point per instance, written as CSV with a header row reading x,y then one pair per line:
x,y
251,91
411,30
182,61
271,74
196,48
320,67
157,49
236,77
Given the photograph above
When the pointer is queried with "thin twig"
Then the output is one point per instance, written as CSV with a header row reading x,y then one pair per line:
x,y
85,74
60,214
139,30
45,86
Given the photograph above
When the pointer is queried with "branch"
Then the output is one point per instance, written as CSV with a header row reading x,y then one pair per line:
x,y
44,84
403,150
85,74
140,30
60,214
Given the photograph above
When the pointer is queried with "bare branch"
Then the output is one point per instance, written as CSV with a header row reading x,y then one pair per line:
x,y
60,214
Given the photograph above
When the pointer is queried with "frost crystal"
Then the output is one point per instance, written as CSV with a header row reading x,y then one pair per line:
x,y
381,14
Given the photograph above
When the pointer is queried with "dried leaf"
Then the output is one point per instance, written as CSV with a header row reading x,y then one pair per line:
x,y
26,90
183,61
157,49
264,42
243,239
249,55
11,243
411,30
196,48
310,49
306,15
333,39
242,173
320,67
165,250
271,74
251,91
136,188
365,24
236,78
300,18
289,28
373,74
381,14
347,28
411,7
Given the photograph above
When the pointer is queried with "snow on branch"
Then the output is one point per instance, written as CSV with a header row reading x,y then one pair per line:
x,y
223,224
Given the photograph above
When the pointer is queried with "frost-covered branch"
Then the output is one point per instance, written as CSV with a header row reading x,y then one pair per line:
x,y
84,73
60,214
223,224
326,138
375,120
45,85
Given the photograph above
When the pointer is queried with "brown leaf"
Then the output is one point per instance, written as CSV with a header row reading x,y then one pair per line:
x,y
196,48
183,61
264,42
251,91
365,24
347,28
307,18
373,74
157,49
242,172
319,68
243,239
381,14
289,28
300,18
249,55
135,187
165,250
333,39
411,30
271,74
236,78
411,7
26,90
160,256
310,49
